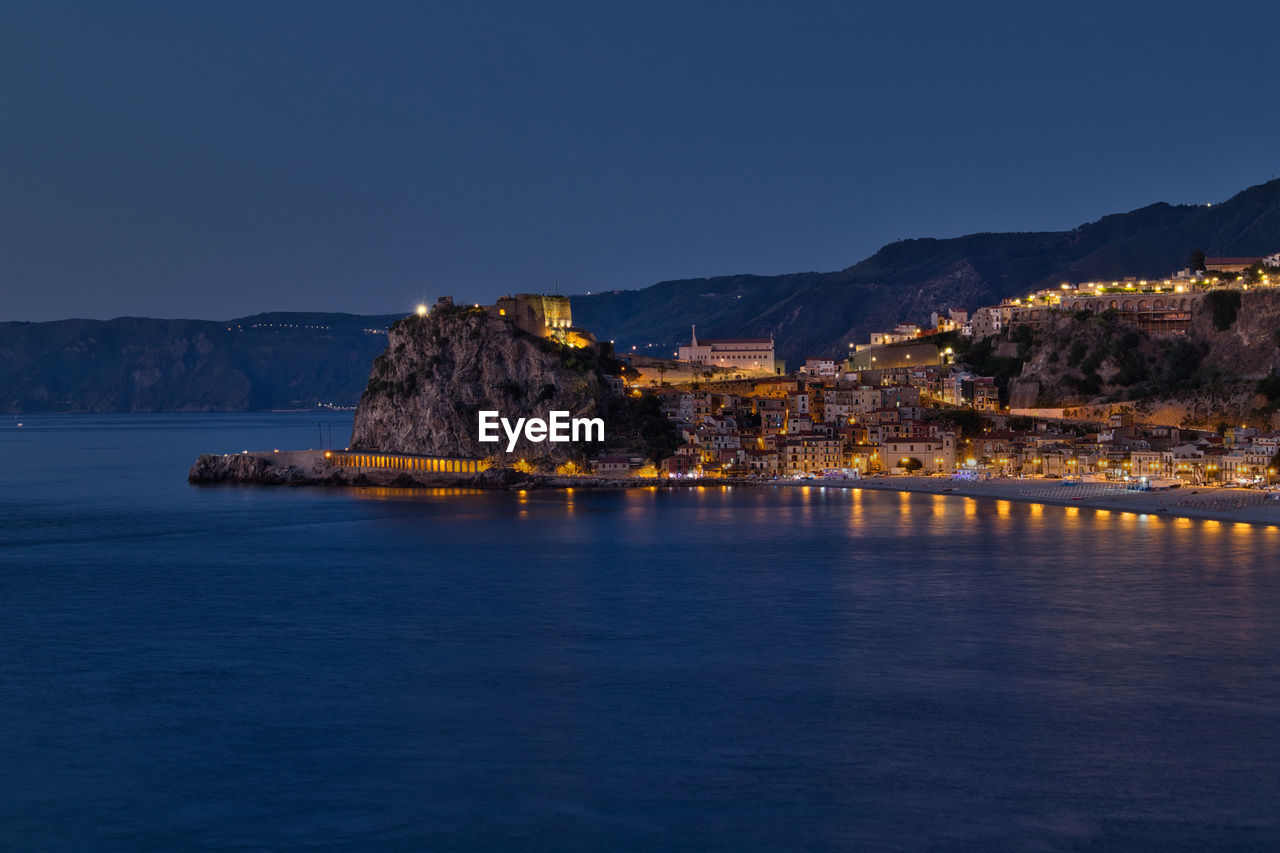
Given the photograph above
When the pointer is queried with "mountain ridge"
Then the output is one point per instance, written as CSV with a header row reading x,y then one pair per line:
x,y
300,359
820,313
274,360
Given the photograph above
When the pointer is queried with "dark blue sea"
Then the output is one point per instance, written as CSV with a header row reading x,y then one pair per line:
x,y
245,668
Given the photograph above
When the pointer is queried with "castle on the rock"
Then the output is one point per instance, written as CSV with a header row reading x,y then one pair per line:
x,y
538,314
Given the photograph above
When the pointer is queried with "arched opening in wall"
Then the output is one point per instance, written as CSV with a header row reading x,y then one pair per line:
x,y
1128,305
1112,304
1142,305
1159,304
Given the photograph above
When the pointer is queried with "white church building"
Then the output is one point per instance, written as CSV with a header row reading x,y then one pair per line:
x,y
741,353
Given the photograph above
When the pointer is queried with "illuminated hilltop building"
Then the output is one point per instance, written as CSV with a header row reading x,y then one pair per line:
x,y
538,314
745,354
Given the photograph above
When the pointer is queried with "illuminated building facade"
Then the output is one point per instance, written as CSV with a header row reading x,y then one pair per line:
x,y
738,353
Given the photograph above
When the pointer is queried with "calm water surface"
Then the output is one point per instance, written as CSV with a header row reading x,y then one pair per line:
x,y
258,668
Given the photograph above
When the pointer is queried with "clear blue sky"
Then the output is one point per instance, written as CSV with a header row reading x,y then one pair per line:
x,y
212,159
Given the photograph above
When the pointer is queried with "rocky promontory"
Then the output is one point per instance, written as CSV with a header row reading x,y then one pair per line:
x,y
417,423
441,370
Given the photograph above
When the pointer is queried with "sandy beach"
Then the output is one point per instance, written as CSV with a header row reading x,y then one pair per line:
x,y
1251,506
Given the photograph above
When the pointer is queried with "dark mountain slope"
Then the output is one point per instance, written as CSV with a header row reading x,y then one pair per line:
x,y
131,364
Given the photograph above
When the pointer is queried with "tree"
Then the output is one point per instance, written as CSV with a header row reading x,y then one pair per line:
x,y
1197,260
1225,305
662,367
1269,387
912,465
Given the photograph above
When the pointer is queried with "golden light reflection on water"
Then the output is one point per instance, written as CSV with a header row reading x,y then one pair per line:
x,y
1195,534
382,493
856,506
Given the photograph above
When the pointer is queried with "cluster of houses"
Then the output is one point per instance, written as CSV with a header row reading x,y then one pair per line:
x,y
789,427
1163,306
1125,451
804,429
865,411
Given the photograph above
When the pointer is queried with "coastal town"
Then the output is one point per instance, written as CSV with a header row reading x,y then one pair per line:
x,y
902,403
907,408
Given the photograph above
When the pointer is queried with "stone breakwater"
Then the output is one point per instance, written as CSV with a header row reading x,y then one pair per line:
x,y
314,468
317,468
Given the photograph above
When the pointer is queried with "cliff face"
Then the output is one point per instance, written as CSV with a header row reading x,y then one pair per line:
x,y
1249,347
439,372
1211,374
